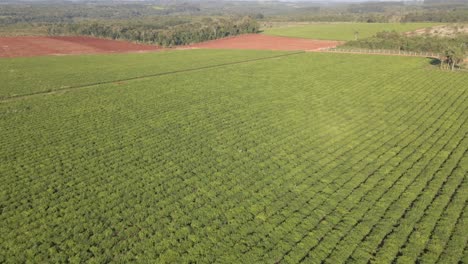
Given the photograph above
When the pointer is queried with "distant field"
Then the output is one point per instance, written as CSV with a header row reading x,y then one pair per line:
x,y
342,31
314,158
155,7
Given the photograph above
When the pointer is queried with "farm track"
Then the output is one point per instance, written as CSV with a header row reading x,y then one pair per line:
x,y
331,162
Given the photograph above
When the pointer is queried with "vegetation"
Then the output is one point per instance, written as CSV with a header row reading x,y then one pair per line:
x,y
49,12
68,12
452,15
342,31
223,156
23,30
24,76
311,157
181,34
180,22
453,50
378,12
455,55
170,23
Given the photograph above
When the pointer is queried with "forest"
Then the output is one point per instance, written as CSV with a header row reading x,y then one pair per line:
x,y
166,33
454,15
169,23
71,12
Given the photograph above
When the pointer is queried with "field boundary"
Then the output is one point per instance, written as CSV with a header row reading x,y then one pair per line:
x,y
68,88
381,52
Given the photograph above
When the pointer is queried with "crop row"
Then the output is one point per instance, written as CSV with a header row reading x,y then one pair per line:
x,y
265,164
326,173
365,198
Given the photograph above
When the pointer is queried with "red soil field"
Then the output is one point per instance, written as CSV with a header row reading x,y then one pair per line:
x,y
40,46
264,42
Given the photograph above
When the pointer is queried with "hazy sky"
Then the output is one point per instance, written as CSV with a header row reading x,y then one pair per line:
x,y
326,0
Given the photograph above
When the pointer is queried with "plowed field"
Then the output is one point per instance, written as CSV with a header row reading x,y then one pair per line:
x,y
264,42
39,46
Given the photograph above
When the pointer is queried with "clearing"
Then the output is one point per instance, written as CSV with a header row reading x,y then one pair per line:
x,y
39,46
264,42
441,31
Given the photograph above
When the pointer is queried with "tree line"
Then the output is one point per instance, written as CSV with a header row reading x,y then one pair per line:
x,y
443,16
67,12
166,35
452,50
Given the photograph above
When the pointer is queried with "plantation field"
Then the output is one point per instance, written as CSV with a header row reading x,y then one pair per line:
x,y
305,158
23,76
342,31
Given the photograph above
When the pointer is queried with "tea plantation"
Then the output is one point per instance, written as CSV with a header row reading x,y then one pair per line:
x,y
25,76
313,158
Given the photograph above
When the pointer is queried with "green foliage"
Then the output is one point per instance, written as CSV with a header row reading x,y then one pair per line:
x,y
397,41
164,35
23,29
311,157
456,54
23,76
453,50
342,31
67,12
379,12
452,15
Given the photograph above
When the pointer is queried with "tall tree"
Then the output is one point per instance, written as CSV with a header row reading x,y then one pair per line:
x,y
455,56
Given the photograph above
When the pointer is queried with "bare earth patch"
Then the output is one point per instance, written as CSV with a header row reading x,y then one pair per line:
x,y
441,31
40,46
264,42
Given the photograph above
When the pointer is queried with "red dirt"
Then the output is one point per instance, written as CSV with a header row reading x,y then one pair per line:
x,y
40,46
264,42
